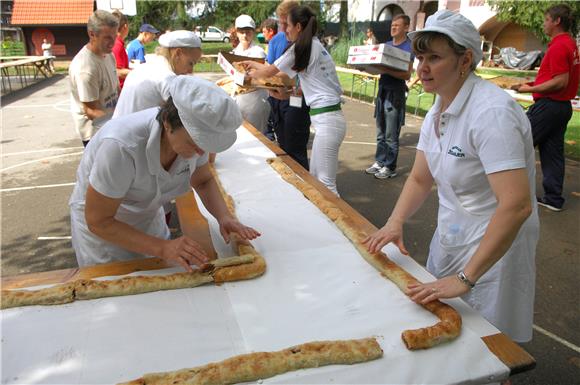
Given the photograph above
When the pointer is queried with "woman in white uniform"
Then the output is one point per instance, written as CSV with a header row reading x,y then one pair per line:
x,y
139,162
254,105
476,146
146,85
316,72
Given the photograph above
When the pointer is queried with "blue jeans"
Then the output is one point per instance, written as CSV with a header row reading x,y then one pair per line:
x,y
388,129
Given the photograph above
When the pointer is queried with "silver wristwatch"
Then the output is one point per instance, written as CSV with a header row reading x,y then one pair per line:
x,y
463,278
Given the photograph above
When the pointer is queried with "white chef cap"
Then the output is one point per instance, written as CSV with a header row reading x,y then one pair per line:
x,y
209,115
180,38
457,27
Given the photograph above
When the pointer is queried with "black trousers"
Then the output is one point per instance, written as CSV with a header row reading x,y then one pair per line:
x,y
292,128
549,119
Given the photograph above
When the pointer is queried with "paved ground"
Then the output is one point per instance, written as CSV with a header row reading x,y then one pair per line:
x,y
40,153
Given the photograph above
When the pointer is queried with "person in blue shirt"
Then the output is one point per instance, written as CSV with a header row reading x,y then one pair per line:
x,y
390,105
291,124
136,48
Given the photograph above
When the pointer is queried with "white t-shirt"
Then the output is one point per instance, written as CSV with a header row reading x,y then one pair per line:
x,y
46,49
319,82
252,51
92,78
146,86
122,161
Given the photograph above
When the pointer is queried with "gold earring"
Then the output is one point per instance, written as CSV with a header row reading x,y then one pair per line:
x,y
462,73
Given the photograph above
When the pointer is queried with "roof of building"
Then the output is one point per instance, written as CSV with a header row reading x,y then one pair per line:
x,y
53,12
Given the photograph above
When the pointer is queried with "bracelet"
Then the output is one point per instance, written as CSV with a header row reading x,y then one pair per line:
x,y
463,279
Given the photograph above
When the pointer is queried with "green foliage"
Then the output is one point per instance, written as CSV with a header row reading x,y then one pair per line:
x,y
162,15
339,52
529,13
224,13
12,48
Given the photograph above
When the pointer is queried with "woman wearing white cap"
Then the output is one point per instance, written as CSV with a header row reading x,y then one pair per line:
x,y
254,105
312,64
146,85
141,161
476,146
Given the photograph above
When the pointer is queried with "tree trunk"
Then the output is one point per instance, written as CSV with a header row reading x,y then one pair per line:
x,y
344,18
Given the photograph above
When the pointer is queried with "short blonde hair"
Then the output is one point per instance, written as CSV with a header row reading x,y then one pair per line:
x,y
286,6
167,53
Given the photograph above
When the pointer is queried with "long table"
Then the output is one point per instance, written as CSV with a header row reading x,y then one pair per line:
x,y
194,224
23,68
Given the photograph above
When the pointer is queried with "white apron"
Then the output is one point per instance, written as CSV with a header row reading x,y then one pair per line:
x,y
504,295
255,108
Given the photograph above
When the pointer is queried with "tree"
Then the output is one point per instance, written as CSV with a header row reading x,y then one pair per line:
x,y
161,14
530,14
225,12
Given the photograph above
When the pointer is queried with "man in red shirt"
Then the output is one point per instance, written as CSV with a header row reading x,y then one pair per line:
x,y
554,87
119,48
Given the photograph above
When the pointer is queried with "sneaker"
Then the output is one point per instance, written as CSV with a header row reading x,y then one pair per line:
x,y
543,203
385,173
373,169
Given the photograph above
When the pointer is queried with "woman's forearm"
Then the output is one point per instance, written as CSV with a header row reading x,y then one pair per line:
x,y
212,200
416,189
127,237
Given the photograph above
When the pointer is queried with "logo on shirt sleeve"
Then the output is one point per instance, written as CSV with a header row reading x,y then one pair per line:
x,y
456,151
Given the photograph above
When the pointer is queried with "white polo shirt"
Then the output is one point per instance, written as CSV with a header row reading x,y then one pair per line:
x,y
145,86
319,82
483,131
122,161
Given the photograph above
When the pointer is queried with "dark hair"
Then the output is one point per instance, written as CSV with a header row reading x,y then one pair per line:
x,y
304,16
168,113
123,20
406,19
424,40
564,13
270,24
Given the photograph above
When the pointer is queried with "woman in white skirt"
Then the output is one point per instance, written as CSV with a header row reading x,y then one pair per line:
x,y
316,72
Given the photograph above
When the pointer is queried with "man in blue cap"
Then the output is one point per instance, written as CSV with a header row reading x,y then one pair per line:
x,y
136,49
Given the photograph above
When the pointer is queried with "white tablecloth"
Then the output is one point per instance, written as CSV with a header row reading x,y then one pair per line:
x,y
316,287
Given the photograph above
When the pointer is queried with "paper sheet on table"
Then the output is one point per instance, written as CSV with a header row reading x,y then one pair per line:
x,y
324,289
316,287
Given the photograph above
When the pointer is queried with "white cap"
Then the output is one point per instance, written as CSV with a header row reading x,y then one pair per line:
x,y
210,116
245,21
457,27
181,38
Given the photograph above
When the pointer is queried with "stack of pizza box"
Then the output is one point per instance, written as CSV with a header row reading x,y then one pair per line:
x,y
371,58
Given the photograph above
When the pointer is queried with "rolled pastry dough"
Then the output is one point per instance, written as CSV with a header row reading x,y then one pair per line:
x,y
221,270
449,326
255,366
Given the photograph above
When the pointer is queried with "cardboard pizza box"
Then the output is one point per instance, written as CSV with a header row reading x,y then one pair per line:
x,y
384,49
373,62
227,63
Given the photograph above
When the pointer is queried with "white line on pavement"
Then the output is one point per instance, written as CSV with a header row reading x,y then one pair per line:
x,y
37,187
368,144
556,338
53,238
47,150
39,160
53,105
